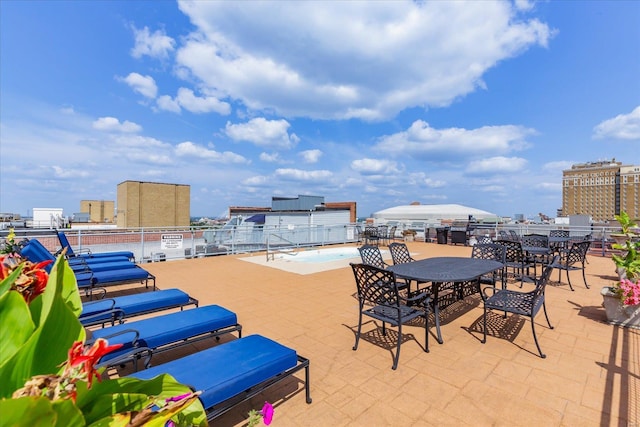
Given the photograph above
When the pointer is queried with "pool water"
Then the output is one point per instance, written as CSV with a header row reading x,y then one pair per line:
x,y
323,255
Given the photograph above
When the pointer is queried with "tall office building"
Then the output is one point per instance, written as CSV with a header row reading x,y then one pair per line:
x,y
601,189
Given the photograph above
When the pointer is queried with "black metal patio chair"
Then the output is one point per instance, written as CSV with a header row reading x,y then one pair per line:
x,y
494,252
379,299
516,302
371,235
572,259
371,255
400,253
516,262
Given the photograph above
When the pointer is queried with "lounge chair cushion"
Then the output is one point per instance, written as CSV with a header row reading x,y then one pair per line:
x,y
112,276
135,304
104,266
224,371
99,260
170,328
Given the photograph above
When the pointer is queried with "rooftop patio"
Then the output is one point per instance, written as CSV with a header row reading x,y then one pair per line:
x,y
591,376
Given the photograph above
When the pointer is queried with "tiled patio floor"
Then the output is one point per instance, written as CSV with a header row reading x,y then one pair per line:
x,y
591,376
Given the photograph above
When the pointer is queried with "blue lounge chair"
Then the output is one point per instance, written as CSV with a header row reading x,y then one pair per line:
x,y
87,277
234,372
37,251
112,310
143,338
64,242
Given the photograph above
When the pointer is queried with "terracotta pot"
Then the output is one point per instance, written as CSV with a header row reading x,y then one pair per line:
x,y
618,313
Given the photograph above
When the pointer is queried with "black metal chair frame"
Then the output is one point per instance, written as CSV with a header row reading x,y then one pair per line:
x,y
573,259
371,235
371,255
383,234
379,299
521,303
494,252
515,260
400,253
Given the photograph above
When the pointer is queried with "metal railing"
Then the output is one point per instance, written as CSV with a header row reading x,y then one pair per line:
x,y
148,245
285,247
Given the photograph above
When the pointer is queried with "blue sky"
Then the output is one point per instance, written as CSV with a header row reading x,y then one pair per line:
x,y
383,103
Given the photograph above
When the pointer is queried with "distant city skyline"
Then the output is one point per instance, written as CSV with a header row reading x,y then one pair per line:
x,y
383,103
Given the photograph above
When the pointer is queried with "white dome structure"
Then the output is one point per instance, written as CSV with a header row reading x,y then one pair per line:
x,y
432,214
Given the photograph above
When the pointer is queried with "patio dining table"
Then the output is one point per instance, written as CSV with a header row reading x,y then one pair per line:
x,y
445,270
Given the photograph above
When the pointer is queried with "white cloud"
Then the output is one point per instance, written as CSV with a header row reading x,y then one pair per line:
x,y
558,166
496,165
302,175
374,166
189,149
270,158
393,55
256,181
144,85
623,126
263,133
424,141
155,45
207,104
111,124
311,156
555,187
61,172
434,183
167,103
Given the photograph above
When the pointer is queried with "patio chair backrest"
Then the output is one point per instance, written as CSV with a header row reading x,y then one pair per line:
x,y
559,233
371,231
400,253
514,235
513,250
376,286
535,240
576,253
371,255
484,239
492,251
64,242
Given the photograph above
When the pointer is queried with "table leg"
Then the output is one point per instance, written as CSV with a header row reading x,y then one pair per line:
x,y
436,311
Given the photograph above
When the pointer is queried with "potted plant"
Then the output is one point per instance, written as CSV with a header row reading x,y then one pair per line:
x,y
409,235
628,262
622,300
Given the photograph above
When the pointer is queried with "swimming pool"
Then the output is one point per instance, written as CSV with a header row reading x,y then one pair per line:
x,y
315,256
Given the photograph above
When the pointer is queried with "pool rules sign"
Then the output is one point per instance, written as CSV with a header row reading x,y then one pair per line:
x,y
171,241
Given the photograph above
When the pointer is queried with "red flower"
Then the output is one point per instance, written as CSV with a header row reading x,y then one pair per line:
x,y
88,358
32,280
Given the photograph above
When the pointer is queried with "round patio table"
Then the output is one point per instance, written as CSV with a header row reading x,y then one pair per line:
x,y
444,270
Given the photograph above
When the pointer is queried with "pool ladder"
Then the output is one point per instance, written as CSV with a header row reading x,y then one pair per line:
x,y
289,248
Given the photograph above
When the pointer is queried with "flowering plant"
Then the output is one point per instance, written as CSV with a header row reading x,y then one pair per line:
x,y
47,371
266,414
628,291
629,262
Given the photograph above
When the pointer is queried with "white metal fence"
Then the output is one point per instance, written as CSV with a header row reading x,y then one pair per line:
x,y
159,244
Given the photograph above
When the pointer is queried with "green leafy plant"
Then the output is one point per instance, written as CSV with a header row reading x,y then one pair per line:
x,y
47,371
629,260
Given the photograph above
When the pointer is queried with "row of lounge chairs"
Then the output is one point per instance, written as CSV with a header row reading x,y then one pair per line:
x,y
225,374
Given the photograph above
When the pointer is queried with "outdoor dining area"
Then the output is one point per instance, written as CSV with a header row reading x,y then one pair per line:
x,y
589,377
